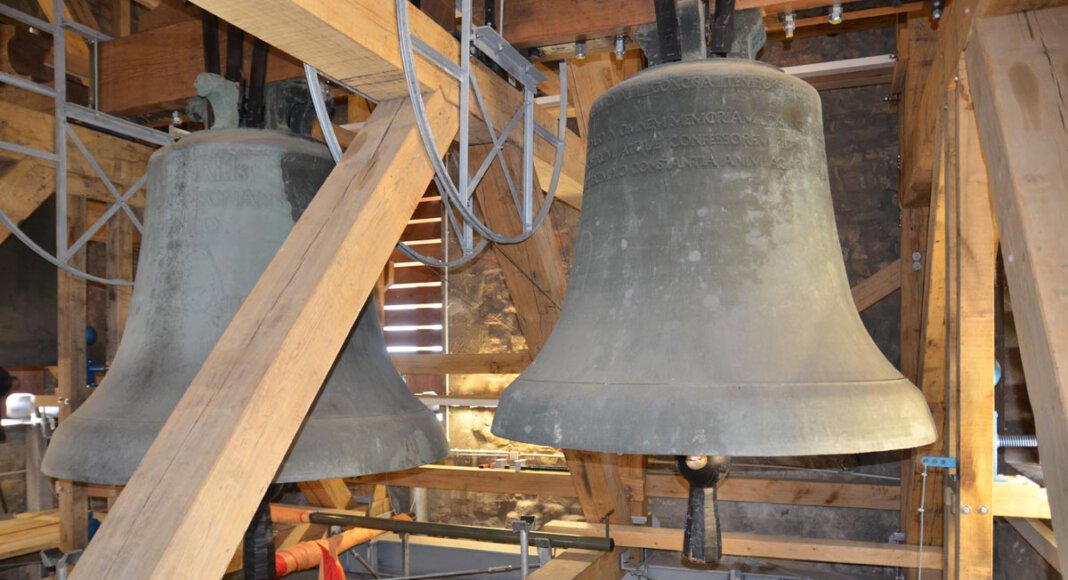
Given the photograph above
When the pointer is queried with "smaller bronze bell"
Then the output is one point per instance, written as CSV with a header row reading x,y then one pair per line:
x,y
220,204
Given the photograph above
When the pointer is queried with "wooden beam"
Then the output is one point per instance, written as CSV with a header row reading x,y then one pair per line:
x,y
153,71
877,286
536,23
1017,68
71,320
356,42
498,363
579,565
77,47
120,266
929,366
1018,497
968,202
757,546
29,533
204,476
123,161
1041,538
917,140
22,191
735,488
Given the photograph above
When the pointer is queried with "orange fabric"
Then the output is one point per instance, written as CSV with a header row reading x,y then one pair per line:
x,y
308,555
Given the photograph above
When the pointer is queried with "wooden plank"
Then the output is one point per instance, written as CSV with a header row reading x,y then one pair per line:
x,y
930,372
77,47
154,70
356,42
123,161
758,546
413,317
976,261
1019,497
734,488
205,474
536,23
29,533
1018,71
1041,538
120,266
579,565
954,32
418,295
22,191
461,363
423,337
877,286
71,319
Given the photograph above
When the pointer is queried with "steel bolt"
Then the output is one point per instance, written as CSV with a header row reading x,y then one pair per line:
x,y
965,509
984,510
580,50
621,46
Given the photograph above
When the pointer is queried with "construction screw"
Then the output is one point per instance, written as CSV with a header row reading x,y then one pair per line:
x,y
621,46
983,510
965,509
580,50
836,14
789,25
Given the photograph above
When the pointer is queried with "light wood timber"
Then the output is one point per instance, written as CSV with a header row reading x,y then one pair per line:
x,y
462,363
579,565
71,319
877,286
734,488
976,271
1017,496
1041,538
1017,67
758,546
77,47
954,33
203,477
29,533
356,41
23,191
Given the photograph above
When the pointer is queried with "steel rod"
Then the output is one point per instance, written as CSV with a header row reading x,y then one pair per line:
x,y
59,67
26,85
495,535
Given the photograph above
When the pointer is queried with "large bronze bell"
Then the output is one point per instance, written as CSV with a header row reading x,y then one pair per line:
x,y
708,312
220,204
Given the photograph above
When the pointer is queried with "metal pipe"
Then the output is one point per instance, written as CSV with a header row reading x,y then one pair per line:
x,y
26,85
406,554
495,535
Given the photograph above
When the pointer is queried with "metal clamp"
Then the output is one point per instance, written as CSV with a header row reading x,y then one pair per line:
x,y
940,462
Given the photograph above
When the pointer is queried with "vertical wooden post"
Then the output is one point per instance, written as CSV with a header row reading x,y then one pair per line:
x,y
975,262
119,266
71,301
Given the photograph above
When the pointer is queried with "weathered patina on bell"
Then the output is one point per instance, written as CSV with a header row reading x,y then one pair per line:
x,y
708,310
220,204
708,314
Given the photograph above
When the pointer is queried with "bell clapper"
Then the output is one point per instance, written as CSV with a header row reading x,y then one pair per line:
x,y
701,541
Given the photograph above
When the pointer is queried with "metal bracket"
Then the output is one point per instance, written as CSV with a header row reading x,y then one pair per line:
x,y
940,462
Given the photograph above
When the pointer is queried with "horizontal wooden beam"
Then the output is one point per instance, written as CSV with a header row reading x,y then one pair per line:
x,y
579,565
559,484
759,546
488,363
1019,497
153,71
536,23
